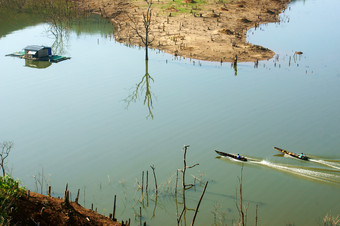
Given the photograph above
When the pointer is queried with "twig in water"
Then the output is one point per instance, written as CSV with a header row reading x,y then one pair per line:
x,y
199,202
154,175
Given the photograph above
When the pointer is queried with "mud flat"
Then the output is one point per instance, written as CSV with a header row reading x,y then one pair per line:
x,y
213,30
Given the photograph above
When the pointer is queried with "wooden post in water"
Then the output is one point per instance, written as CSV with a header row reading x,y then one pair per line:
x,y
142,182
49,191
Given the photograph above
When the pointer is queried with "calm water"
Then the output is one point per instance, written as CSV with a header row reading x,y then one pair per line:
x,y
84,121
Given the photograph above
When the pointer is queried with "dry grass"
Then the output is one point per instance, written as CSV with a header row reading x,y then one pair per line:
x,y
330,220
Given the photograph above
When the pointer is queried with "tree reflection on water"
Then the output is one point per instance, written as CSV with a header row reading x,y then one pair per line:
x,y
143,88
61,34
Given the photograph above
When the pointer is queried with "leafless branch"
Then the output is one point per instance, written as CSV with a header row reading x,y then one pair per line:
x,y
188,167
6,148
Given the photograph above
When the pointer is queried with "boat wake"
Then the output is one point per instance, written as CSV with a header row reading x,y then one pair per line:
x,y
335,165
330,173
313,174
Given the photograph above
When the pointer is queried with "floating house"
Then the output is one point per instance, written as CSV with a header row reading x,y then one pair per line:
x,y
37,52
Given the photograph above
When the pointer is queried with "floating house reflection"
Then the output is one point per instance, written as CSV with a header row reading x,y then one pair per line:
x,y
37,63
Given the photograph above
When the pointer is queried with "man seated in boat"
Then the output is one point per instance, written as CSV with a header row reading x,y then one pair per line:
x,y
238,156
301,156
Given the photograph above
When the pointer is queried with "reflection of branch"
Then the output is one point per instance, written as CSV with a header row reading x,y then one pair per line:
x,y
60,34
154,209
141,87
60,15
242,212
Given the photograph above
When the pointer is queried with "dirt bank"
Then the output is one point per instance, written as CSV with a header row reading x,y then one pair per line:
x,y
212,31
47,210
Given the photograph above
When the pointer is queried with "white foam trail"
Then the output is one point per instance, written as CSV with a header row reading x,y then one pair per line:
x,y
326,163
326,177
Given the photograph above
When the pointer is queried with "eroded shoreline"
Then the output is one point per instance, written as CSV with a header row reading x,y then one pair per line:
x,y
212,31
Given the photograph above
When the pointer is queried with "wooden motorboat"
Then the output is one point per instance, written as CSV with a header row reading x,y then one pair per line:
x,y
240,158
292,154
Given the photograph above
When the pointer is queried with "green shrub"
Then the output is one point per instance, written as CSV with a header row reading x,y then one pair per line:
x,y
10,191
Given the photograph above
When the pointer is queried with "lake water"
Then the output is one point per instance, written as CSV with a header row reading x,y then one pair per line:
x,y
86,122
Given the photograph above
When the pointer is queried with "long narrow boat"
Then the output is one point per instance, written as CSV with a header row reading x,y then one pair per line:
x,y
241,158
292,154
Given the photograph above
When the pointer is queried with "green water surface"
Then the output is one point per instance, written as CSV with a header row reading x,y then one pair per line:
x,y
98,120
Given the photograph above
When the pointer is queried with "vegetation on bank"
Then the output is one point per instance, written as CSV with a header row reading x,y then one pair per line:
x,y
10,191
176,7
52,11
42,7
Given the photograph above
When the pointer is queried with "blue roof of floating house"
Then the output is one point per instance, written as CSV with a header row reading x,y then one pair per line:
x,y
35,48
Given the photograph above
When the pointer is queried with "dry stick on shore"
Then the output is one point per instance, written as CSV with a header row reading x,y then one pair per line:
x,y
114,210
146,22
84,195
67,195
77,198
199,202
49,191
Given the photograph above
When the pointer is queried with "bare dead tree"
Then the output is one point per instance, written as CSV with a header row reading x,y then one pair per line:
x,y
186,186
144,36
6,148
